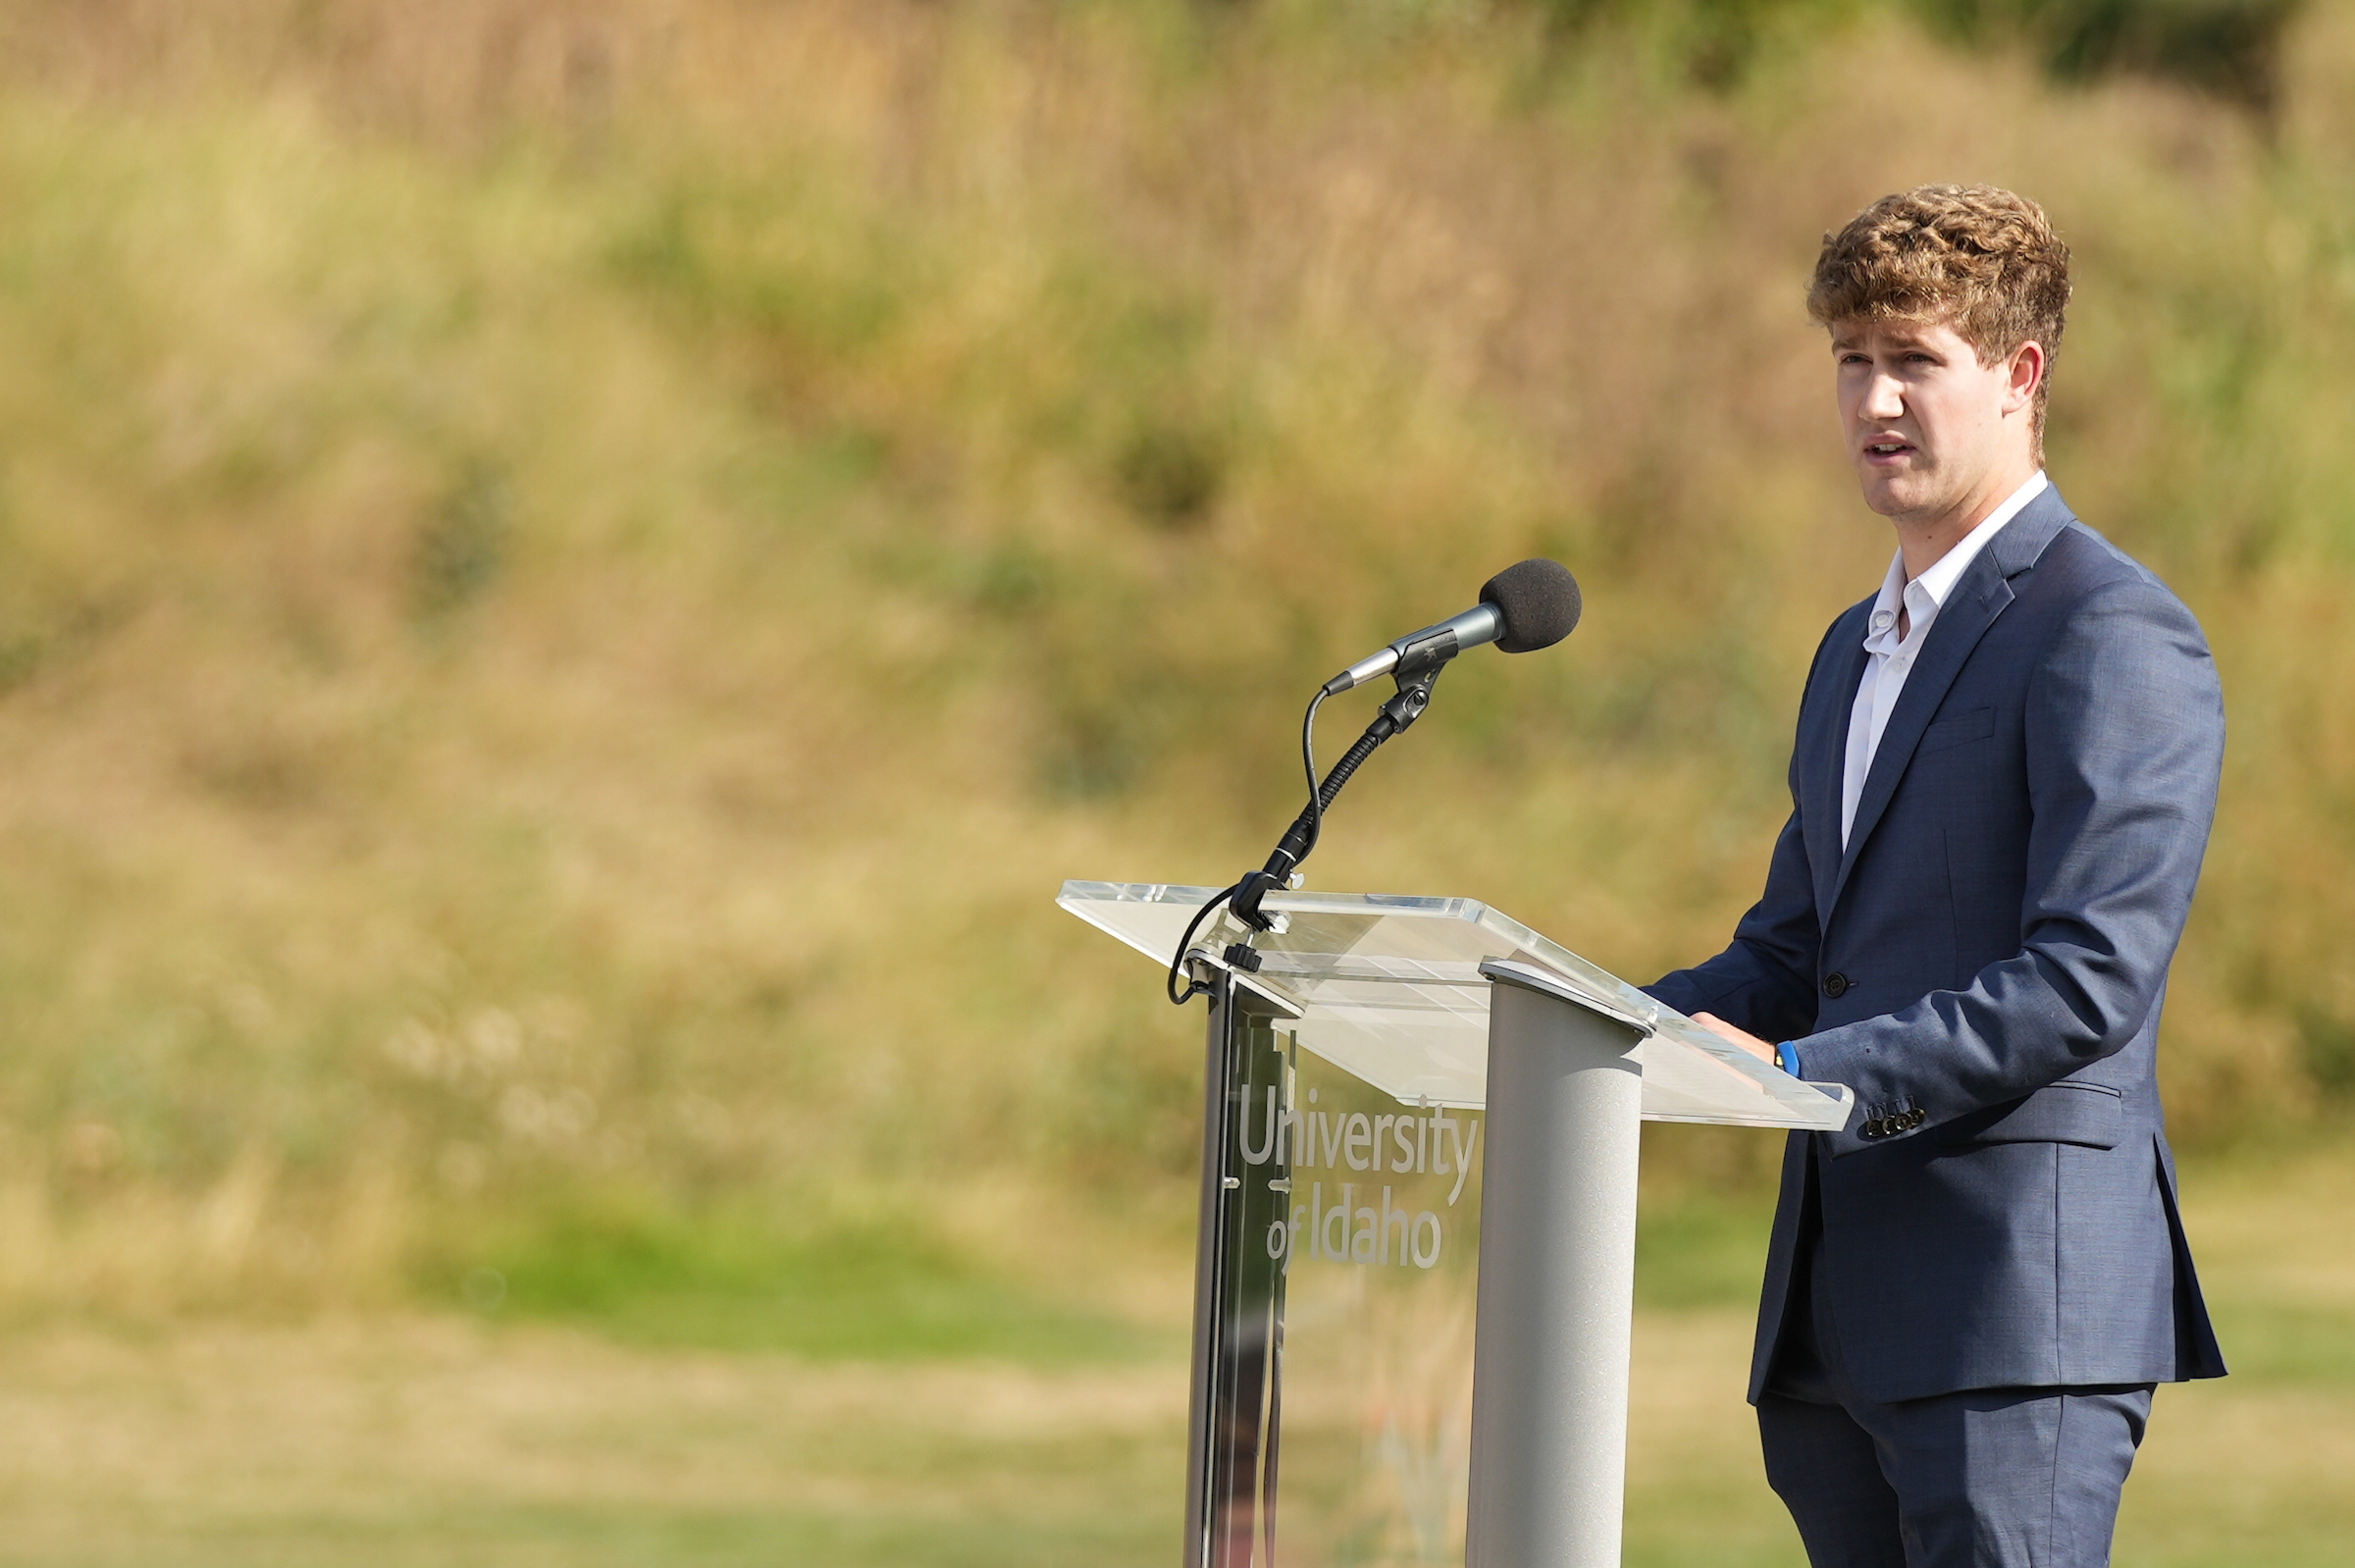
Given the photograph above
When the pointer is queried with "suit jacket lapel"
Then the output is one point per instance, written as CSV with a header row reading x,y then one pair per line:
x,y
1979,598
1826,742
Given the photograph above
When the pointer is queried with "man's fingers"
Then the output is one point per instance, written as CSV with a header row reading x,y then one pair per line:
x,y
1740,1037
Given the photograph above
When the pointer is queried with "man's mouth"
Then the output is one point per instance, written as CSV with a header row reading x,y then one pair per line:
x,y
1886,449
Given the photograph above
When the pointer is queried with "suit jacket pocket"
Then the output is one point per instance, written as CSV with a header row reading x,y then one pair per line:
x,y
1975,726
2088,1113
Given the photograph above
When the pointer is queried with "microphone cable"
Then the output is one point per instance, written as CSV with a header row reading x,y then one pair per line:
x,y
1308,765
1193,988
1316,830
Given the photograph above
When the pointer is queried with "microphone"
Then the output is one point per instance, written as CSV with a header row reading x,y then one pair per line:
x,y
1522,608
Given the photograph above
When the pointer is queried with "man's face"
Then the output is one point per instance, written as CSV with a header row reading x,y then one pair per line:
x,y
1929,428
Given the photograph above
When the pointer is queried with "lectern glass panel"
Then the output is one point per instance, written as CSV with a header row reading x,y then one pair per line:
x,y
1337,1413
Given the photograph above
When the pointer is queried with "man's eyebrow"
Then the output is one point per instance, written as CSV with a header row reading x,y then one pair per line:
x,y
1897,343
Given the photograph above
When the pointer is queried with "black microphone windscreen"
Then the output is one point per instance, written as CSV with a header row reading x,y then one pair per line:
x,y
1539,600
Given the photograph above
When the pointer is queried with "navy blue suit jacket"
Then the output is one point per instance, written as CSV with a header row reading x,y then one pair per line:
x,y
1985,964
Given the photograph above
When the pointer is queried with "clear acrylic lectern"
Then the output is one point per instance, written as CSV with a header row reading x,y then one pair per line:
x,y
1418,1152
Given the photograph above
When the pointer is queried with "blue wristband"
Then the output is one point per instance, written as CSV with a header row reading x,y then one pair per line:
x,y
1787,1054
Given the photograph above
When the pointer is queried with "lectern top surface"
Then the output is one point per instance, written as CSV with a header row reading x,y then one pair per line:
x,y
1390,990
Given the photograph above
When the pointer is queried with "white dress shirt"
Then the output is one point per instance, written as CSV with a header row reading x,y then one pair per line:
x,y
1891,658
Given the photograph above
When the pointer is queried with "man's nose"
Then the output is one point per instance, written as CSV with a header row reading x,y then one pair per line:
x,y
1884,398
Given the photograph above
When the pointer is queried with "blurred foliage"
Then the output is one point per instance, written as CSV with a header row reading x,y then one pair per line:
x,y
2228,47
2231,48
461,546
574,573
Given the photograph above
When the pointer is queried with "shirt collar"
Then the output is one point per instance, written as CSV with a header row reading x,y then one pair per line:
x,y
1925,595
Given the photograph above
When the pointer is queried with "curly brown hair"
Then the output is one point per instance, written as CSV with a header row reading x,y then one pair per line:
x,y
1977,258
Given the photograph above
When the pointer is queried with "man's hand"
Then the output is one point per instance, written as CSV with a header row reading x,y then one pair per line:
x,y
1740,1037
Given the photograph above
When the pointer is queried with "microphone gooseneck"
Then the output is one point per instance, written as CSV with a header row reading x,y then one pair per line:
x,y
1524,607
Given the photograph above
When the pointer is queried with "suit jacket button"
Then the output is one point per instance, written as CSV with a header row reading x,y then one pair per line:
x,y
1835,984
1872,1128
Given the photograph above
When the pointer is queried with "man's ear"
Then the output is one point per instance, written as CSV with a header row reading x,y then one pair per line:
x,y
2028,374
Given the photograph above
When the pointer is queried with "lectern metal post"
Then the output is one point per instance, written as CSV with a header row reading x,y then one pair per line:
x,y
1557,1277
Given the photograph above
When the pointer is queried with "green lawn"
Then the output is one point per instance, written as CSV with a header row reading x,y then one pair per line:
x,y
529,1435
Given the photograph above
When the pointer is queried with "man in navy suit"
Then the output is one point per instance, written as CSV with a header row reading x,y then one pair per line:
x,y
2004,771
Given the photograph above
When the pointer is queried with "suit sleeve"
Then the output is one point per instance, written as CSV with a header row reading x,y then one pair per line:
x,y
2125,741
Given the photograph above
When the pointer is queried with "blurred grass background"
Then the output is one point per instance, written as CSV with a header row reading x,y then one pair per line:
x,y
574,574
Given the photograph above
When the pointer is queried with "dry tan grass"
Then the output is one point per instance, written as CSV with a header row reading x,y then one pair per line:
x,y
341,1441
397,1439
793,351
405,1439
